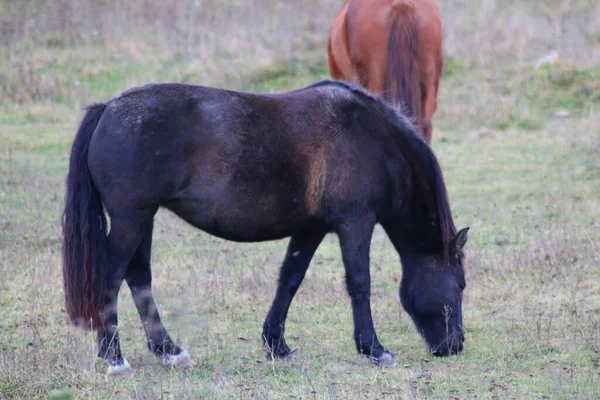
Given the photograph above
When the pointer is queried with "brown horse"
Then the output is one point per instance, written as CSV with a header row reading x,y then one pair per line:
x,y
392,47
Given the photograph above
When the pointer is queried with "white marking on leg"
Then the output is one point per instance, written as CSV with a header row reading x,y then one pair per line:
x,y
295,254
181,360
387,360
119,369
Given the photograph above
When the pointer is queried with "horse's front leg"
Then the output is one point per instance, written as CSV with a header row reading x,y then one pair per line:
x,y
355,242
300,251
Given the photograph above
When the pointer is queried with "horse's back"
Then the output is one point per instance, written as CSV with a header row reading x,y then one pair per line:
x,y
244,166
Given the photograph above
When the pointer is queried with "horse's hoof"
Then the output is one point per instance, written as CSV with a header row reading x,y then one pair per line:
x,y
123,369
385,360
290,355
181,360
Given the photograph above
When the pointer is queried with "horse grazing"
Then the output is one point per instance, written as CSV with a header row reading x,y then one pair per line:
x,y
392,47
253,167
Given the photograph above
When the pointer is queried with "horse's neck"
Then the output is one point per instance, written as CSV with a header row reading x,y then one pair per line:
x,y
406,250
415,230
420,217
418,222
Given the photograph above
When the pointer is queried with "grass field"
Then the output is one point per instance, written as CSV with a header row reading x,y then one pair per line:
x,y
520,151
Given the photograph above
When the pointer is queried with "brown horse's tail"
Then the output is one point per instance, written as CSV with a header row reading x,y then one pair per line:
x,y
85,257
403,81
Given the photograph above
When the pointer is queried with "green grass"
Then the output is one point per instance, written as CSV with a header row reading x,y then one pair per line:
x,y
274,77
531,307
525,179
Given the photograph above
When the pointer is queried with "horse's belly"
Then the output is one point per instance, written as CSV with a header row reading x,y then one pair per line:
x,y
250,222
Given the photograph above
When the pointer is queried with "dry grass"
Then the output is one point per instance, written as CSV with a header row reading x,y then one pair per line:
x,y
53,50
525,180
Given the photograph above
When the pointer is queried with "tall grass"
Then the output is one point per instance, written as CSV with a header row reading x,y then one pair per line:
x,y
51,47
68,52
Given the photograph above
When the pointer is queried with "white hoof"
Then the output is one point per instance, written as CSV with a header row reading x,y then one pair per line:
x,y
386,360
120,369
181,360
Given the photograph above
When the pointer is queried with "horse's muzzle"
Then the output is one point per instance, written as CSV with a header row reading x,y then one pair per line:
x,y
454,344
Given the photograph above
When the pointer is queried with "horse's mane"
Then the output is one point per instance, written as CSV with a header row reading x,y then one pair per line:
x,y
344,85
416,150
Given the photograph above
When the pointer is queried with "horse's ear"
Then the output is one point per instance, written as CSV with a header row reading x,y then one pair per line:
x,y
460,239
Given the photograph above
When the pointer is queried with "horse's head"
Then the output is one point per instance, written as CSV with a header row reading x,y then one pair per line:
x,y
431,292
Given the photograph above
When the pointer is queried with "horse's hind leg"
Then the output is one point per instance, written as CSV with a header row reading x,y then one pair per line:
x,y
334,70
124,237
139,279
355,241
300,251
430,79
429,106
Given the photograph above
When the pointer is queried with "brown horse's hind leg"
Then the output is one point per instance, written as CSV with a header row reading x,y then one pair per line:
x,y
300,251
375,78
139,279
429,107
334,70
123,240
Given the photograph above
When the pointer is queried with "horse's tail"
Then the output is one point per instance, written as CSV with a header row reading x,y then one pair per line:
x,y
403,81
85,257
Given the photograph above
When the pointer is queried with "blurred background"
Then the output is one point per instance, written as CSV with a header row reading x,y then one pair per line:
x,y
69,53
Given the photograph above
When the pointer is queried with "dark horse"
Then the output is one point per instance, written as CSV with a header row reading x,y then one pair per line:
x,y
254,167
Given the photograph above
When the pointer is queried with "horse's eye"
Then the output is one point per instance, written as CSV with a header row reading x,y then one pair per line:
x,y
462,285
